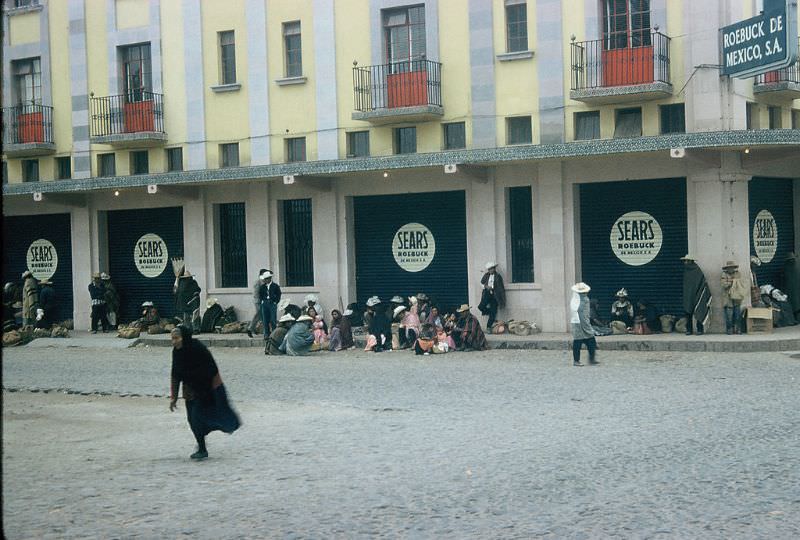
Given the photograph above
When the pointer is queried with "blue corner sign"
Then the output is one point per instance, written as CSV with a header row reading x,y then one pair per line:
x,y
763,43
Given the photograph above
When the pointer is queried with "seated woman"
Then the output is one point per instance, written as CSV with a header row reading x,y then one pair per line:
x,y
622,309
318,326
277,336
426,341
409,326
379,335
646,319
341,336
299,338
149,317
434,318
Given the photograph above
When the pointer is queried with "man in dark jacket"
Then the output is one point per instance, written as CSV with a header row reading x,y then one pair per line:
x,y
493,296
47,303
696,296
379,325
791,282
97,292
187,298
270,296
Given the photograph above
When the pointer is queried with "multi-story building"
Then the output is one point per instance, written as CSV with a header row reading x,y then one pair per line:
x,y
360,147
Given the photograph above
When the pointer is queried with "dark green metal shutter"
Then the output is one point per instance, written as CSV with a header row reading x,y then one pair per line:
x,y
661,280
377,219
777,196
125,227
18,234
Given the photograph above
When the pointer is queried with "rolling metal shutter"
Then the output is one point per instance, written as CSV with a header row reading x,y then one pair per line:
x,y
659,281
378,219
125,228
775,195
18,234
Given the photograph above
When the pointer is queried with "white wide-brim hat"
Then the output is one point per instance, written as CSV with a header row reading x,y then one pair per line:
x,y
490,265
210,302
373,301
397,299
286,318
265,275
347,312
147,304
581,287
311,298
622,292
103,275
688,257
398,310
302,318
462,308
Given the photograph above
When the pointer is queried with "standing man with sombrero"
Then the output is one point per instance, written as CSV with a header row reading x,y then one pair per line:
x,y
696,296
582,330
47,304
97,293
493,296
733,292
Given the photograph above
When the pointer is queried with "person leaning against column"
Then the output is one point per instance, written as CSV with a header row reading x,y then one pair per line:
x,y
97,292
582,331
257,293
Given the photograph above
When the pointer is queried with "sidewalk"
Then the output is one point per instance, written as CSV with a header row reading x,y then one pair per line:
x,y
782,339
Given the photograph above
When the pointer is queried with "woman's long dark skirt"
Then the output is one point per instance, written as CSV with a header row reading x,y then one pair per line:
x,y
216,415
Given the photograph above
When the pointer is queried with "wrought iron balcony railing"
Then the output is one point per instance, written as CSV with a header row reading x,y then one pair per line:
x,y
135,112
28,124
790,74
411,83
621,59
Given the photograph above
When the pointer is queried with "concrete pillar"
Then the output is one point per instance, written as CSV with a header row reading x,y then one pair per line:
x,y
326,260
484,236
81,237
195,241
549,249
719,226
257,222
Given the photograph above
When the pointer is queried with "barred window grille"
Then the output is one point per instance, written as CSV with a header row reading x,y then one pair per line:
x,y
298,243
520,217
232,244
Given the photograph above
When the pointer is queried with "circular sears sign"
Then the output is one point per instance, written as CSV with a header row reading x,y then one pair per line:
x,y
150,255
636,238
765,236
42,259
413,247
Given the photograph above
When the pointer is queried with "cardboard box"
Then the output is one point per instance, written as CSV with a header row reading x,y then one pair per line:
x,y
759,320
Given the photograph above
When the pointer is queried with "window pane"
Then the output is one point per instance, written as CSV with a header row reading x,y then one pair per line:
x,y
106,165
294,57
232,245
64,167
519,130
174,159
521,225
230,154
296,149
629,123
227,53
587,125
516,28
455,136
298,243
139,162
358,144
406,140
404,34
775,120
673,118
30,170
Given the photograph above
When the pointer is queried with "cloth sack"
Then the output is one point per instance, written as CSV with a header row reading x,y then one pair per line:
x,y
499,327
68,324
231,328
155,329
59,332
522,328
41,332
130,332
680,325
618,327
640,327
667,323
11,338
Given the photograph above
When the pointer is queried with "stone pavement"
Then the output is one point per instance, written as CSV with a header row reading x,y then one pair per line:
x,y
782,339
502,444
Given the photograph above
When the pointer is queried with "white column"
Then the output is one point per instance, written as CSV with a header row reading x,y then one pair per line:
x,y
81,237
549,251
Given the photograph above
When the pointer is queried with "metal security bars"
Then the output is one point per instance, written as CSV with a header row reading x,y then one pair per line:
x,y
410,83
298,243
620,59
25,124
790,74
232,245
134,112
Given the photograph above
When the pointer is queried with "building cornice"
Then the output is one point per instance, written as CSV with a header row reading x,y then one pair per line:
x,y
485,156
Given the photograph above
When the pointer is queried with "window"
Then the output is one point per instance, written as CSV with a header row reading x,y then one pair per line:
x,y
136,73
358,144
752,116
454,136
27,81
628,123
775,120
63,168
587,125
795,119
106,165
227,58
626,24
298,244
296,149
140,162
25,3
405,140
229,155
404,35
174,159
520,224
232,245
30,170
519,130
292,45
673,118
516,26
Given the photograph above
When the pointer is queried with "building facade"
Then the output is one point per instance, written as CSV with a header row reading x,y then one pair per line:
x,y
360,147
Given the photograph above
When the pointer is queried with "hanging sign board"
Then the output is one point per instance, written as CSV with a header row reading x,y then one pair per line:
x,y
762,43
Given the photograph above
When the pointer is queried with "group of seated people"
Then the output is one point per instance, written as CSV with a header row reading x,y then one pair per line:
x,y
402,323
641,318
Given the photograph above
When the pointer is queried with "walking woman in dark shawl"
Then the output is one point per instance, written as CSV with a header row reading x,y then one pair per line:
x,y
207,407
696,296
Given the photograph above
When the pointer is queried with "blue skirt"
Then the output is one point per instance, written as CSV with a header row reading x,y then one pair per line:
x,y
216,415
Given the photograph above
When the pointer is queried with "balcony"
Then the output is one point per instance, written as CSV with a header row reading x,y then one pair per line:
x,y
621,68
28,130
409,91
135,119
781,84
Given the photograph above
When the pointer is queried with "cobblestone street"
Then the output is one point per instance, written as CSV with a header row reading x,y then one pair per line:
x,y
503,444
